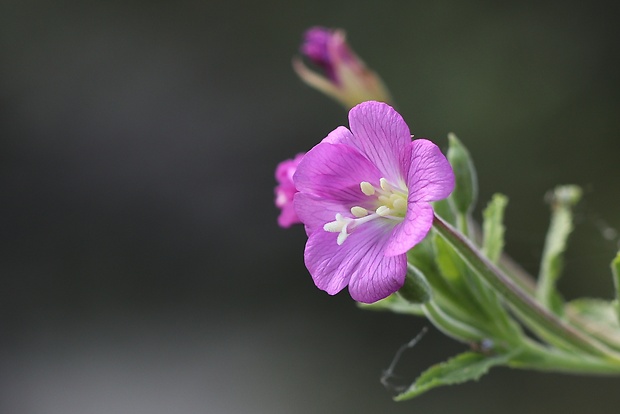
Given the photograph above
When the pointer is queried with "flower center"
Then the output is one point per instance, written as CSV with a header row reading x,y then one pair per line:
x,y
389,202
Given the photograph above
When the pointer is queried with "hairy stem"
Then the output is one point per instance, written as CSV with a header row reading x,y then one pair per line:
x,y
533,314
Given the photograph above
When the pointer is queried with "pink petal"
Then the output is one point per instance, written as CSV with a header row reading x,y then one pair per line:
x,y
383,137
412,230
340,135
358,262
287,216
334,172
314,212
430,176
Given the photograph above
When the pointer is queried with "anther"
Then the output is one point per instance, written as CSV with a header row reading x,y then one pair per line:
x,y
400,204
358,211
383,211
385,185
367,188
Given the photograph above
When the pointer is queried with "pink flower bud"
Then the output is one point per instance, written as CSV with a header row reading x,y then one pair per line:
x,y
345,76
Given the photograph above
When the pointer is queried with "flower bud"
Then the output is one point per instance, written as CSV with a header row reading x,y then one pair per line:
x,y
466,190
345,76
415,289
285,191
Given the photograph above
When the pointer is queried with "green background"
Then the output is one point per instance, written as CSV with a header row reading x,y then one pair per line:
x,y
141,267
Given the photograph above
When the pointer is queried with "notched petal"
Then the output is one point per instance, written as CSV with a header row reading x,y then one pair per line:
x,y
430,176
383,136
334,172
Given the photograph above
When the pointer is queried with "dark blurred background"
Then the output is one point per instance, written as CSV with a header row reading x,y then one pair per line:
x,y
141,267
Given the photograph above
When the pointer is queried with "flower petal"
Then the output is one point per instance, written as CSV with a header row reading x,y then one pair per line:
x,y
334,172
340,135
314,212
381,134
430,176
412,230
358,262
288,216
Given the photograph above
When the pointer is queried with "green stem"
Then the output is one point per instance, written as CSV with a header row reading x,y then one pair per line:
x,y
519,299
450,326
541,358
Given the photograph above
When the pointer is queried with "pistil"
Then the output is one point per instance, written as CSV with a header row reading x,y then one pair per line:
x,y
390,201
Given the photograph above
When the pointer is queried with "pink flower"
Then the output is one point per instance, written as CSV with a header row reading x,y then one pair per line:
x,y
347,79
364,197
285,190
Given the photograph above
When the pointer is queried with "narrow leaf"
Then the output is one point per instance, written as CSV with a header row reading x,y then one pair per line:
x,y
467,286
615,270
445,209
598,311
464,367
598,317
448,261
493,227
562,200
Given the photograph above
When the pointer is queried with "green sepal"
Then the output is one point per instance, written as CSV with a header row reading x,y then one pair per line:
x,y
464,367
493,227
415,289
562,200
466,185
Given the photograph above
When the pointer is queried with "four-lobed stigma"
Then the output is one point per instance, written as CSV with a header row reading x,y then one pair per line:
x,y
390,202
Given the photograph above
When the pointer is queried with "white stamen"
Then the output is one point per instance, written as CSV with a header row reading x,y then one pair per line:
x,y
339,226
336,225
385,185
390,203
342,237
333,226
400,204
358,211
383,211
367,188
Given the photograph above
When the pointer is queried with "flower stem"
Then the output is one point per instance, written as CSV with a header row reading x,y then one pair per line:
x,y
541,358
533,314
450,326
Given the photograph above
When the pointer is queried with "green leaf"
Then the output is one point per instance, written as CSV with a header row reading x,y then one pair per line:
x,y
485,307
493,227
449,293
464,367
416,289
598,311
422,257
562,199
467,287
445,210
598,317
449,263
466,189
615,270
